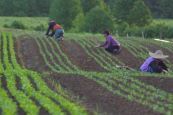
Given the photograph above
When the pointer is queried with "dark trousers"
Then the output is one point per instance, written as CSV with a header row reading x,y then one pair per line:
x,y
113,49
157,66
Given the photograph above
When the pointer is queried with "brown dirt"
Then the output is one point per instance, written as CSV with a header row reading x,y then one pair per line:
x,y
95,97
129,59
161,83
51,61
78,57
28,54
61,56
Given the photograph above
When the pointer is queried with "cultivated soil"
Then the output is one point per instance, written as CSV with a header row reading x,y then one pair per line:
x,y
93,96
78,57
129,59
163,83
28,54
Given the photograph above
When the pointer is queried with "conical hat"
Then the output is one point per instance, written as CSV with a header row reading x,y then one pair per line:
x,y
158,55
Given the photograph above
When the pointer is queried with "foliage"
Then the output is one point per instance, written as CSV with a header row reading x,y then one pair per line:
x,y
18,25
28,94
121,9
65,11
119,82
87,5
78,23
40,27
97,23
139,15
160,8
15,24
30,23
24,7
152,31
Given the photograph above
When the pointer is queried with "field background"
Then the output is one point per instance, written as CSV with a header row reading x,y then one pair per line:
x,y
73,77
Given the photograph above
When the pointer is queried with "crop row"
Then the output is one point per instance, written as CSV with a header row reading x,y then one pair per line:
x,y
120,82
137,48
31,98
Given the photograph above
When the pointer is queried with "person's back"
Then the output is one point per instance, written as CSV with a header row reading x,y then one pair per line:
x,y
113,41
56,29
145,66
154,63
111,44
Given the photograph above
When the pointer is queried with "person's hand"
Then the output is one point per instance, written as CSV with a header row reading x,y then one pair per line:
x,y
97,46
165,71
47,36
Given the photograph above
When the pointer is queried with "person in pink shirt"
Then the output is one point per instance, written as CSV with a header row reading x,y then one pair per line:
x,y
154,63
111,44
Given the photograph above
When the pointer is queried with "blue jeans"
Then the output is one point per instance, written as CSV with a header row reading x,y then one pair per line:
x,y
59,33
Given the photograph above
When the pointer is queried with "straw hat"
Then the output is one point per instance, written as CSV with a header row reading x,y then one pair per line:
x,y
158,55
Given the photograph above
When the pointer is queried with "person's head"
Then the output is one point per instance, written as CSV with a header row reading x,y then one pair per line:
x,y
106,33
52,22
158,55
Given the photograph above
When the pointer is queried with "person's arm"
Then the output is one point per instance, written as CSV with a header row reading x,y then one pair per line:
x,y
106,43
102,45
48,30
53,33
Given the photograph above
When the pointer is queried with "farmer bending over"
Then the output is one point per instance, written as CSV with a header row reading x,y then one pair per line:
x,y
56,30
111,44
154,63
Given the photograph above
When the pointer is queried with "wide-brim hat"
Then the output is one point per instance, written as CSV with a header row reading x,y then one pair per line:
x,y
158,55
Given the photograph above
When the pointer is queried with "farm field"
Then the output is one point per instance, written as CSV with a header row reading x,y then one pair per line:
x,y
33,66
168,22
28,22
32,22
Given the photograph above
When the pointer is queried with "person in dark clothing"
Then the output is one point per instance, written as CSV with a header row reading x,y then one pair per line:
x,y
158,66
154,63
111,44
56,30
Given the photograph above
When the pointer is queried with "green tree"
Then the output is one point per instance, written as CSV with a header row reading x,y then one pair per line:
x,y
78,23
7,8
97,20
154,7
140,14
87,5
65,11
19,7
121,8
166,8
43,7
24,7
32,8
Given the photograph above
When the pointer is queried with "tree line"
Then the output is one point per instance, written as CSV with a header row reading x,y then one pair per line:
x,y
24,7
159,8
97,15
123,16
